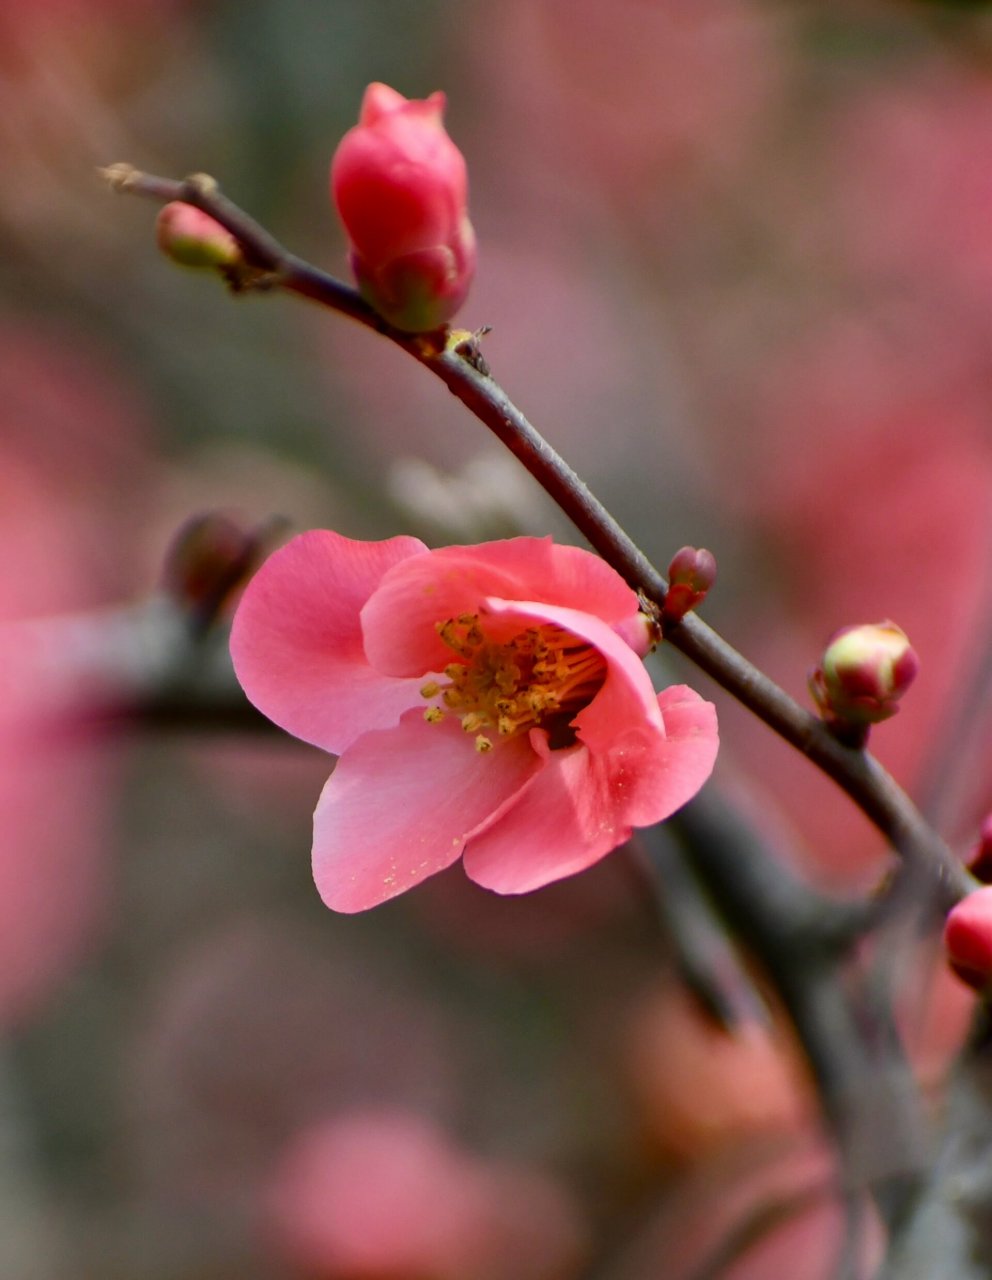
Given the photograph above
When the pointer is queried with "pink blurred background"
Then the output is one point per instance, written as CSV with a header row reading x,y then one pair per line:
x,y
737,257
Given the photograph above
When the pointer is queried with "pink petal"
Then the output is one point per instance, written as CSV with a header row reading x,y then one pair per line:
x,y
399,619
400,804
585,803
562,823
296,641
686,761
380,101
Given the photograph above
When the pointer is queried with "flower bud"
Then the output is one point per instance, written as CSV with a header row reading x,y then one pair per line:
x,y
690,576
968,938
863,673
192,238
401,189
210,559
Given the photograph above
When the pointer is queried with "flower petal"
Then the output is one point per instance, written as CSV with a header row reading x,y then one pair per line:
x,y
399,619
681,767
296,641
585,803
562,823
401,802
399,182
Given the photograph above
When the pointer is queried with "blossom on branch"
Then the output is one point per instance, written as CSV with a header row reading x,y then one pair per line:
x,y
401,188
487,698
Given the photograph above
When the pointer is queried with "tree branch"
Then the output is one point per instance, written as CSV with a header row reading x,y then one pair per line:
x,y
453,357
800,939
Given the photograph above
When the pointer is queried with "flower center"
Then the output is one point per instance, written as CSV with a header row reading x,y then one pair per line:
x,y
543,677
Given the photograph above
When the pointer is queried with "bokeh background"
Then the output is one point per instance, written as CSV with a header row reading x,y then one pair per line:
x,y
737,257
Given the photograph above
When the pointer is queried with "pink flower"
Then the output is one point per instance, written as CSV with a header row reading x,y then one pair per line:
x,y
490,699
401,189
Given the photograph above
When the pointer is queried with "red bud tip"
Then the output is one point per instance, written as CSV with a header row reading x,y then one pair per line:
x,y
192,238
968,939
691,574
863,673
401,189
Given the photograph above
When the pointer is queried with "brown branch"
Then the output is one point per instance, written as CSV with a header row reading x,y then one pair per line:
x,y
451,356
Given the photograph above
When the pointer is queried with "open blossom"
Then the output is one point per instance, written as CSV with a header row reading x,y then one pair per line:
x,y
401,188
487,699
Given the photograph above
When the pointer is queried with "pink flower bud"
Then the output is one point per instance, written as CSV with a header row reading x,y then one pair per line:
x,y
690,576
401,189
863,673
192,238
968,939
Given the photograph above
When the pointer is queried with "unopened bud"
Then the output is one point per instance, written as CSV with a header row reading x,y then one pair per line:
x,y
210,558
192,238
401,189
690,576
863,673
968,939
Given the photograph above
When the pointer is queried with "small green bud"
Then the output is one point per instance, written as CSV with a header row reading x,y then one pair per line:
x,y
863,673
192,238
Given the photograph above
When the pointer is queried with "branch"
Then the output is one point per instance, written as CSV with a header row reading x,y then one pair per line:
x,y
800,938
950,1232
452,356
132,666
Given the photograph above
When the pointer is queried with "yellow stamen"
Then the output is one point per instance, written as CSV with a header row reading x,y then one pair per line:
x,y
541,678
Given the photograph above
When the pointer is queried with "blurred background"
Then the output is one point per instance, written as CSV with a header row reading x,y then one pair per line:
x,y
737,257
